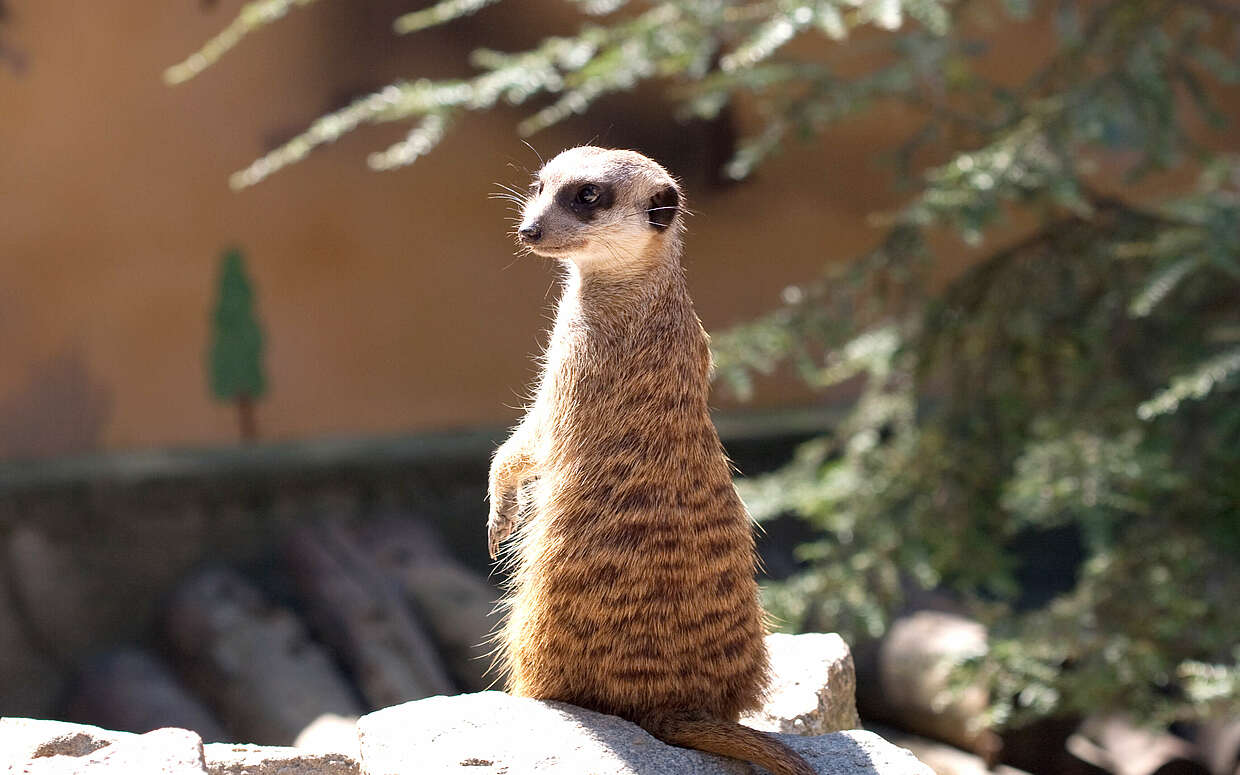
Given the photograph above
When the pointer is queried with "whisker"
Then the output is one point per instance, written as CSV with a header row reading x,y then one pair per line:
x,y
652,209
648,210
512,190
541,161
612,248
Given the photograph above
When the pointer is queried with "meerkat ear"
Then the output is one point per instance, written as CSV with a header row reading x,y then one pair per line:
x,y
663,207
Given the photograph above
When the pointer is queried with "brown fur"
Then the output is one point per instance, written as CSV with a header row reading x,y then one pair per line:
x,y
632,591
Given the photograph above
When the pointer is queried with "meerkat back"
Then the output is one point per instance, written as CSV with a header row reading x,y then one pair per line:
x,y
633,589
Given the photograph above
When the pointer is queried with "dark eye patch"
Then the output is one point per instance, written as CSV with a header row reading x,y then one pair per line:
x,y
585,199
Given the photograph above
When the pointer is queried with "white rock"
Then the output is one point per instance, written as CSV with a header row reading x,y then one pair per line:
x,y
226,759
813,686
491,733
330,732
168,751
24,738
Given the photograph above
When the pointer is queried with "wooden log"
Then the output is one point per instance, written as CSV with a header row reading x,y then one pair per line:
x,y
1219,743
254,662
134,691
1040,746
1118,744
30,678
455,602
906,680
944,759
363,616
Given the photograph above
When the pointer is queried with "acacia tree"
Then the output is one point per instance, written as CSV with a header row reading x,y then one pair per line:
x,y
236,357
1084,380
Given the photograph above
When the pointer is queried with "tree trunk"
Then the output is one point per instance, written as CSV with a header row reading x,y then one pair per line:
x,y
245,413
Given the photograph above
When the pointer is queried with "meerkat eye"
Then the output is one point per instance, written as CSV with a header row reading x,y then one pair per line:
x,y
588,194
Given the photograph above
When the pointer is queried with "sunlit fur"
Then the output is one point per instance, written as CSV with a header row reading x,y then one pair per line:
x,y
632,590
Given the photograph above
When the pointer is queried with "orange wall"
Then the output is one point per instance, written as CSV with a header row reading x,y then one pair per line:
x,y
391,302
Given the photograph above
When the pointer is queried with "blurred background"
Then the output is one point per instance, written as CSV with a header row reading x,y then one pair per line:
x,y
971,269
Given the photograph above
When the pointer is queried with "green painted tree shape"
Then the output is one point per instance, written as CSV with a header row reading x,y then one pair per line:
x,y
236,357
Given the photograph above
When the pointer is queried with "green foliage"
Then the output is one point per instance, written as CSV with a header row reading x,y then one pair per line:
x,y
252,16
711,48
1085,379
1044,388
236,358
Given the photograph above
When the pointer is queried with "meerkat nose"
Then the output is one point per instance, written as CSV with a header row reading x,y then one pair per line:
x,y
530,233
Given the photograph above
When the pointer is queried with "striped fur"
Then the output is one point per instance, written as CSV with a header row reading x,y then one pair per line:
x,y
632,590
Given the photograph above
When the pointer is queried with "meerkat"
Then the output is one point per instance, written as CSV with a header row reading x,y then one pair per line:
x,y
632,591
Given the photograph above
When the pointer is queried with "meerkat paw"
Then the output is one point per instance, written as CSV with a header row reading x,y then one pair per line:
x,y
499,527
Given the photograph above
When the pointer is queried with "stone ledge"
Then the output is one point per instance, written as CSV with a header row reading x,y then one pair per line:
x,y
491,732
482,733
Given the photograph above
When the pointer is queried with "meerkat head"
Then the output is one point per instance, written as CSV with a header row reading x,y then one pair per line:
x,y
603,210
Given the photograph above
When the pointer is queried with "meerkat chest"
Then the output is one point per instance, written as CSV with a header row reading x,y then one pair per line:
x,y
606,388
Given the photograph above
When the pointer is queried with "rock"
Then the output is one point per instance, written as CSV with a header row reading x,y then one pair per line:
x,y
909,682
456,603
225,759
134,691
253,661
813,686
490,732
363,616
23,738
30,747
332,733
162,752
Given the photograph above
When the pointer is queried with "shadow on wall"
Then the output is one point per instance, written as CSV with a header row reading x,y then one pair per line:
x,y
61,409
11,58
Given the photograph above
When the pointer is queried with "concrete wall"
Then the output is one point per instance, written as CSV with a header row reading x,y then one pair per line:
x,y
391,302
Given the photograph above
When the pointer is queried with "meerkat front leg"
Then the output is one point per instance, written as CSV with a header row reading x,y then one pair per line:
x,y
511,466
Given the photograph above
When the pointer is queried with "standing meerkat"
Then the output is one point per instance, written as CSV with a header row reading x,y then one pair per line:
x,y
633,587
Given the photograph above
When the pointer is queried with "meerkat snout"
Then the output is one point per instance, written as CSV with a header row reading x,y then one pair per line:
x,y
601,210
530,233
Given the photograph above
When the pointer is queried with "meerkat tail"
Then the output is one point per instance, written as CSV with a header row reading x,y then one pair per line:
x,y
693,730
